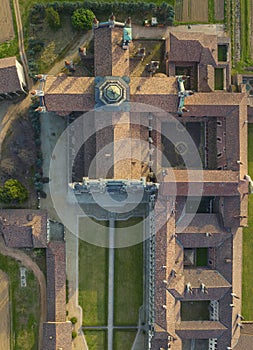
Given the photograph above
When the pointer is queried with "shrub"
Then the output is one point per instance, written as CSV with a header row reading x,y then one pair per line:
x,y
35,45
13,191
53,18
82,19
74,334
73,320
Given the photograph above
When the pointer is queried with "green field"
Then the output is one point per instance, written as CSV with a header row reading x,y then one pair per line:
x,y
247,280
93,283
128,287
245,30
123,339
25,306
96,340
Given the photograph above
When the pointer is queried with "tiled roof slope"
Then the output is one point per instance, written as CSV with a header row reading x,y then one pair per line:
x,y
67,94
24,228
56,282
192,47
9,80
109,57
57,336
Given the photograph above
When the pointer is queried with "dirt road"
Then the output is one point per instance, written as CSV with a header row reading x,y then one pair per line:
x,y
29,264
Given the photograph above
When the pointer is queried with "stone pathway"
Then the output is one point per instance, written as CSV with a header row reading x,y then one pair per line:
x,y
111,283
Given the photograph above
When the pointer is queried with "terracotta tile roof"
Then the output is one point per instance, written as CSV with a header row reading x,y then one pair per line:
x,y
215,182
214,99
7,62
24,227
245,342
192,47
9,79
201,223
109,57
214,293
69,85
153,85
215,176
67,94
200,329
168,103
18,236
56,282
211,278
57,336
196,240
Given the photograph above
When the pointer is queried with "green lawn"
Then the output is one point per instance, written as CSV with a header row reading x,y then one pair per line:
x,y
96,340
25,306
218,78
202,256
247,280
245,29
195,310
123,339
128,287
93,283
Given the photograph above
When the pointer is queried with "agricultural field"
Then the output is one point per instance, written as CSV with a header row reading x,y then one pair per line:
x,y
203,11
6,22
219,10
4,311
25,309
247,281
8,33
191,11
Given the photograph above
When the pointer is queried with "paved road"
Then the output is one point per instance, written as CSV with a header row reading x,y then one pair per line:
x,y
31,265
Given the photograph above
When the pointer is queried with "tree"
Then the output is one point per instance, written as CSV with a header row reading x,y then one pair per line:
x,y
53,18
73,320
74,334
13,191
82,19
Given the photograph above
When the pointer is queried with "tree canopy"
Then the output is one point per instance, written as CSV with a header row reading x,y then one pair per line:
x,y
53,18
13,191
82,19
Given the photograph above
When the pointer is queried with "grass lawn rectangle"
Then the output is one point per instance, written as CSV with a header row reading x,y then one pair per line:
x,y
93,283
123,339
96,340
201,256
25,306
247,277
128,281
195,310
218,78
